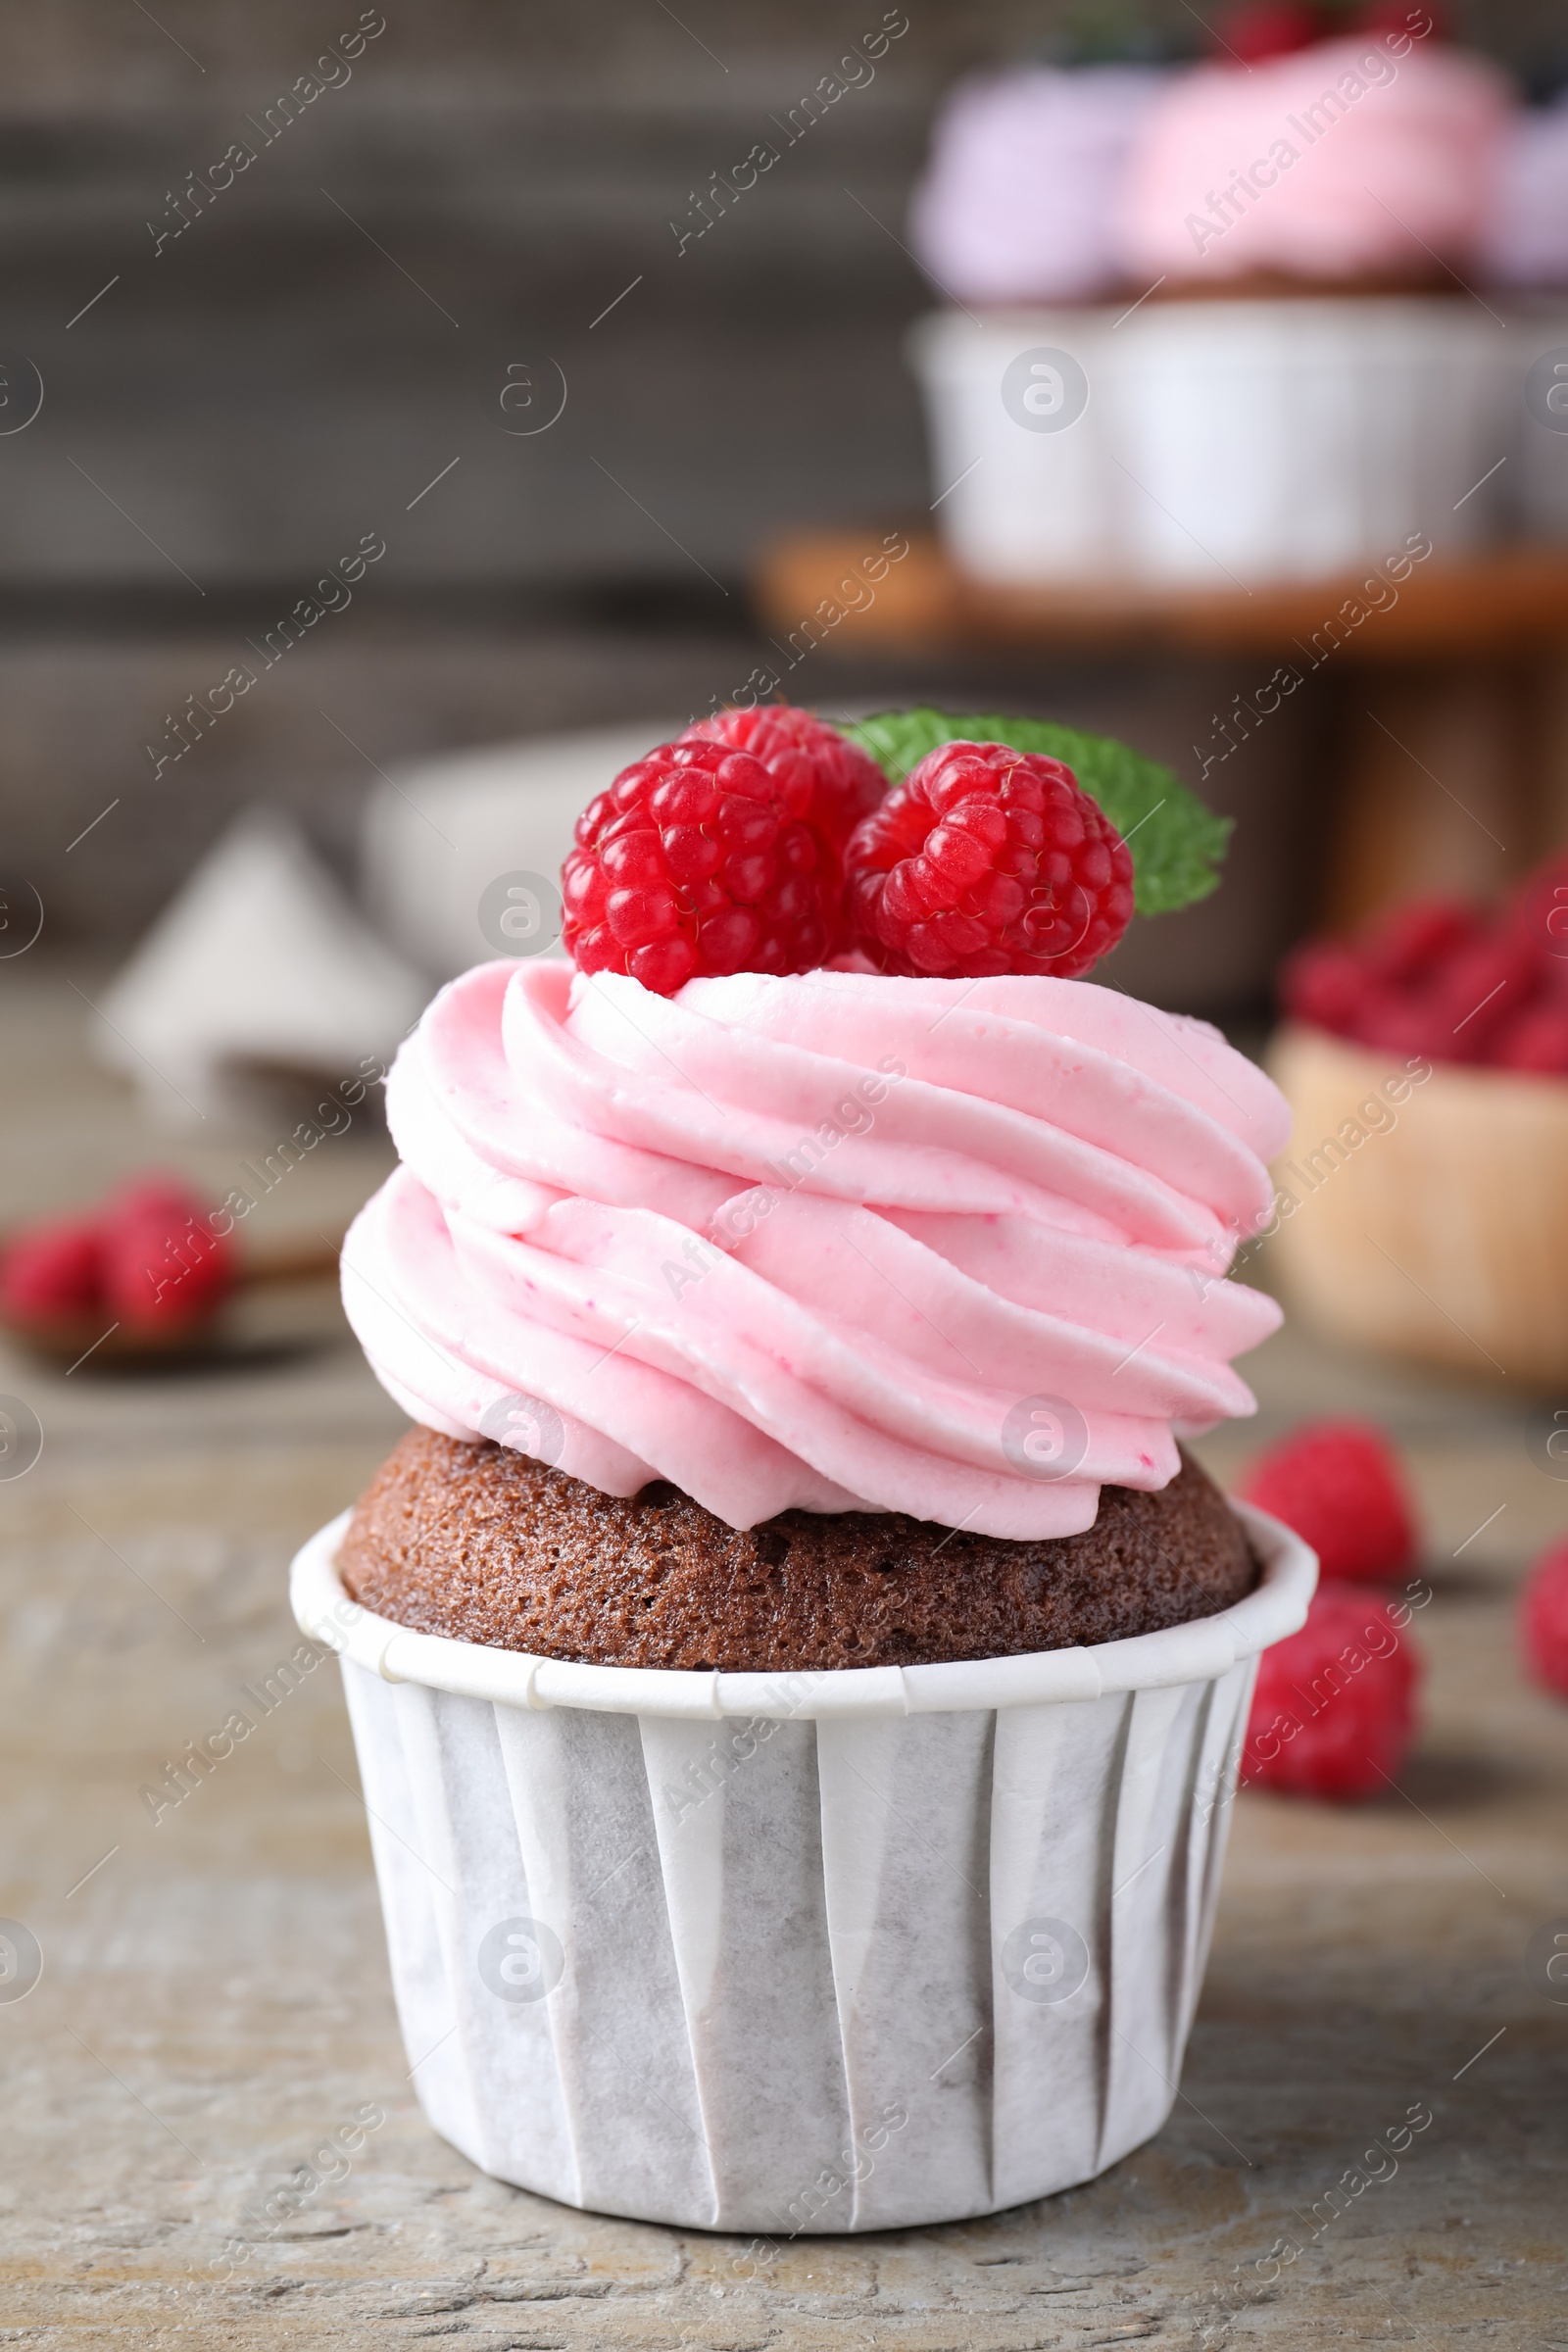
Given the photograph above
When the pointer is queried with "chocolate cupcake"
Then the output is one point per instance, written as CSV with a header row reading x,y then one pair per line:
x,y
479,1543
797,1676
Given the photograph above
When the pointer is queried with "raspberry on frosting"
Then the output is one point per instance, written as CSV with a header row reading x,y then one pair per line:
x,y
829,780
699,860
988,860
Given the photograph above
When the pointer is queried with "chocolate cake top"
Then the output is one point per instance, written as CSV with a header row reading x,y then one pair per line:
x,y
484,1545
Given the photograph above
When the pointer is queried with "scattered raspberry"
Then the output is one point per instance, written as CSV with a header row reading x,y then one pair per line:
x,y
162,1261
1340,1485
1536,1039
53,1269
827,779
694,861
1335,1707
1544,1620
988,860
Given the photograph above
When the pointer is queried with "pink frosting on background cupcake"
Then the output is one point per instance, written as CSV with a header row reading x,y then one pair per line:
x,y
1338,162
1527,238
1018,200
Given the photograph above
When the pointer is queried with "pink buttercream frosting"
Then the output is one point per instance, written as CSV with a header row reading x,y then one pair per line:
x,y
833,1242
1338,161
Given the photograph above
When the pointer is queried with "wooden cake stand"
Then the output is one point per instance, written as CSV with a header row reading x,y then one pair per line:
x,y
1451,702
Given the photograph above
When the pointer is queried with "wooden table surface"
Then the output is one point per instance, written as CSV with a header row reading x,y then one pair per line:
x,y
214,1997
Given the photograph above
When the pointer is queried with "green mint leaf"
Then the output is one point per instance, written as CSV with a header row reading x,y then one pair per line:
x,y
1176,844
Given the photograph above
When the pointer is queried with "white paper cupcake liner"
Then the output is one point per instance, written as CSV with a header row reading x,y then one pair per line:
x,y
772,1953
1222,442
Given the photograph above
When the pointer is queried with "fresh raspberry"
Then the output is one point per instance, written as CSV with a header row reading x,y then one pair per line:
x,y
827,779
694,861
988,860
163,1263
1544,1620
1340,1485
1334,1709
53,1269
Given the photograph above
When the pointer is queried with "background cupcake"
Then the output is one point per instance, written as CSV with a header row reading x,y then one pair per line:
x,y
1526,252
1292,376
1352,163
1016,218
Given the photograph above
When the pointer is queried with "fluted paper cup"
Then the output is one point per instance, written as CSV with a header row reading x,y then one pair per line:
x,y
772,1953
1024,480
1303,438
1218,442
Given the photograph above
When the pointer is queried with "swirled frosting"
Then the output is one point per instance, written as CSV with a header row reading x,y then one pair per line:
x,y
1336,162
834,1242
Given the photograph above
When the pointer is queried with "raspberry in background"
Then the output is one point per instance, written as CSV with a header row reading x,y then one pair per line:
x,y
988,860
1537,913
163,1265
53,1269
148,1258
1340,1485
1447,980
1335,1707
697,860
1544,1620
